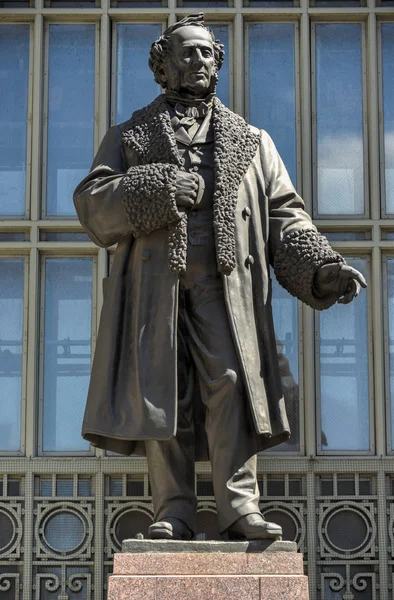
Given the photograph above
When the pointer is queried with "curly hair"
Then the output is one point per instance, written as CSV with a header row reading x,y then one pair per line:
x,y
160,51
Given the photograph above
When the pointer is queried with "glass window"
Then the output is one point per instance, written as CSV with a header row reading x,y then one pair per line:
x,y
135,86
67,352
344,381
11,341
285,312
339,119
272,98
390,317
14,83
388,112
222,91
70,113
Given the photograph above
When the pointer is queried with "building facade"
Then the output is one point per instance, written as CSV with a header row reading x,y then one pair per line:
x,y
318,75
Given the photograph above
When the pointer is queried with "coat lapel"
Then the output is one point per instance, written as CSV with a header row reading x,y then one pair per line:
x,y
152,137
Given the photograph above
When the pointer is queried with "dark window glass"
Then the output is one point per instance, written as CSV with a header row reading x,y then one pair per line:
x,y
272,100
344,385
339,119
67,351
14,83
71,73
11,341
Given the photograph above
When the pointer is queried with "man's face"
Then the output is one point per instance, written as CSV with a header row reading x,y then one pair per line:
x,y
192,63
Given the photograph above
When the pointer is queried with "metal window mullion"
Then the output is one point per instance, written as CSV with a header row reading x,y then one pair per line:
x,y
373,117
240,56
42,355
310,394
314,186
365,106
99,535
24,353
379,437
28,536
318,419
103,98
37,117
45,120
311,519
382,527
305,133
113,71
385,328
98,48
301,395
297,96
32,355
29,123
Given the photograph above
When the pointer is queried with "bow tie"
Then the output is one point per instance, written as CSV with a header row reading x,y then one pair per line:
x,y
188,115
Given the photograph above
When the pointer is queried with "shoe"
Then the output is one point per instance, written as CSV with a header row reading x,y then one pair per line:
x,y
170,529
253,527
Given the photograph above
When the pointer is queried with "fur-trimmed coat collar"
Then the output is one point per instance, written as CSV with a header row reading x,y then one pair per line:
x,y
151,136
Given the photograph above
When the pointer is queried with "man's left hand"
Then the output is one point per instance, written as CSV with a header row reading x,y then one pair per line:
x,y
340,280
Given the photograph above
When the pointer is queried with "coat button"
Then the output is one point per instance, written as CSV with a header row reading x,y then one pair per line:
x,y
146,254
250,260
193,213
246,212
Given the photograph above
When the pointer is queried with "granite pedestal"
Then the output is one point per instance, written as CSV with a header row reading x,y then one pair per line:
x,y
208,570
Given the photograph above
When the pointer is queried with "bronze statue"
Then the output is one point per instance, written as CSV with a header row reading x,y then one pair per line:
x,y
200,204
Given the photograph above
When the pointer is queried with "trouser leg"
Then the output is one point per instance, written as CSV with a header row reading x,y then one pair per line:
x,y
171,463
232,448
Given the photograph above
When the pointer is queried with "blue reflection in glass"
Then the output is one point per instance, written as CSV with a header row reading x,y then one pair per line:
x,y
222,90
11,336
388,111
135,86
67,351
70,113
344,387
285,313
272,86
339,107
14,75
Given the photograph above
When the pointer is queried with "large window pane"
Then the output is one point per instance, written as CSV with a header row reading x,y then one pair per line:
x,y
222,91
344,390
70,113
14,79
285,312
339,119
67,348
388,111
11,336
135,86
272,101
390,316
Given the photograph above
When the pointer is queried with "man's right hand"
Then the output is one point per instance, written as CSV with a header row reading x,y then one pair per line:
x,y
186,189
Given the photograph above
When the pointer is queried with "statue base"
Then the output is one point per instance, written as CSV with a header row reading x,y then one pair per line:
x,y
208,570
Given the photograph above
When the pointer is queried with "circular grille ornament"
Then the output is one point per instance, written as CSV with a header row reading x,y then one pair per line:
x,y
126,521
290,517
10,530
347,530
64,531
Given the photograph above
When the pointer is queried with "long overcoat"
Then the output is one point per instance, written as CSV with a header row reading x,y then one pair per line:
x,y
128,199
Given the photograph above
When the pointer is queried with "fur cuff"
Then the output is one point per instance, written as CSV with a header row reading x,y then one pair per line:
x,y
296,261
149,197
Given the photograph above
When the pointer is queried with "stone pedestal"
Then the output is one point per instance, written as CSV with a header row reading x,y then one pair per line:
x,y
168,570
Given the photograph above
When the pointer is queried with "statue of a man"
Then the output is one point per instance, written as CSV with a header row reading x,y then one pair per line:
x,y
199,204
